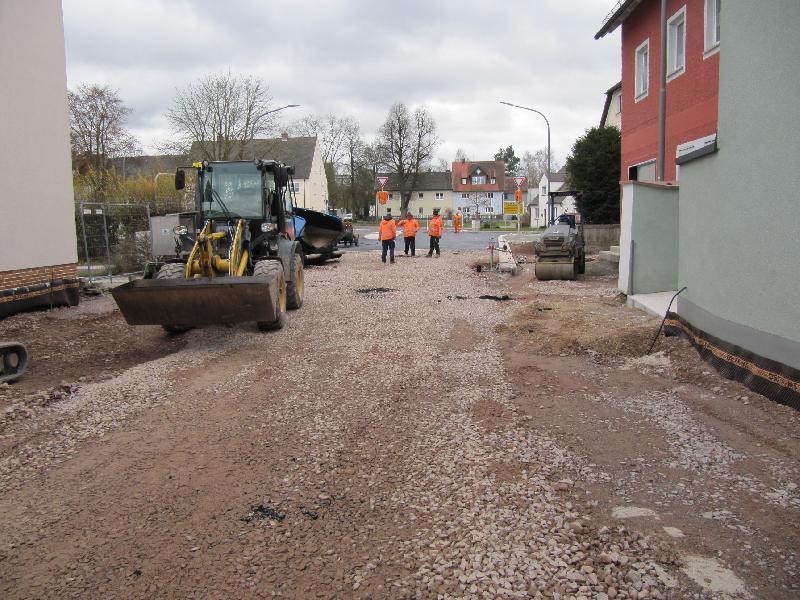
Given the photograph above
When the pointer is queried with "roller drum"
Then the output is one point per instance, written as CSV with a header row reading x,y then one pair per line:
x,y
554,270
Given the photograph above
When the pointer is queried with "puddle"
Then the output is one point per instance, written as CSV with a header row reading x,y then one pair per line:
x,y
673,532
713,577
630,512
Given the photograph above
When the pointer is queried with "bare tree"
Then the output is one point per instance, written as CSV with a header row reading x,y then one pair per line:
x,y
477,202
461,154
534,166
97,125
332,132
442,164
223,113
354,156
406,143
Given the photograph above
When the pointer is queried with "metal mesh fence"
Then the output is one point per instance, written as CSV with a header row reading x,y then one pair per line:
x,y
112,238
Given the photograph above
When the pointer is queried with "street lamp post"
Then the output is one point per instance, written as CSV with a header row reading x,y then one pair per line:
x,y
274,110
549,198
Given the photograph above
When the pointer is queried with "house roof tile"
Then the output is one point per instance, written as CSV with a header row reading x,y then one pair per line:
x,y
294,151
465,170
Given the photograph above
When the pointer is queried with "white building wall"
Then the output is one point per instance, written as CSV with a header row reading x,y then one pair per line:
x,y
38,222
313,192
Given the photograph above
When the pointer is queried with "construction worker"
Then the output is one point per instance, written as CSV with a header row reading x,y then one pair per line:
x,y
435,229
410,228
457,221
386,234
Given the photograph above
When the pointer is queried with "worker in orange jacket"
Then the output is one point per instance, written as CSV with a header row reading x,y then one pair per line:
x,y
435,230
457,221
386,233
410,228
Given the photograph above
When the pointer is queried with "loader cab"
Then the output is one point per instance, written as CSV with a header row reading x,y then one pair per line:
x,y
233,190
252,190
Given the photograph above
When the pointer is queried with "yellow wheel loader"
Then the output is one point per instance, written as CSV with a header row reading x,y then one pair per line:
x,y
245,262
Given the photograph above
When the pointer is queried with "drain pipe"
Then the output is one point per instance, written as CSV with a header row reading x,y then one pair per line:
x,y
660,327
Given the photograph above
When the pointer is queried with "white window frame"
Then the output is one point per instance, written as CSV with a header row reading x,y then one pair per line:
x,y
490,195
493,180
420,195
637,95
440,195
463,181
479,180
464,195
710,27
674,69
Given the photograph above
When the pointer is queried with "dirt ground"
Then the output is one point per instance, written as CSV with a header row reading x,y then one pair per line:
x,y
400,438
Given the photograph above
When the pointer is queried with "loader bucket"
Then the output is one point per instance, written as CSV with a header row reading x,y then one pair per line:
x,y
191,302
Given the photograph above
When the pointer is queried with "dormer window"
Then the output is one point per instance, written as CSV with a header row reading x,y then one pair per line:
x,y
493,180
463,181
478,179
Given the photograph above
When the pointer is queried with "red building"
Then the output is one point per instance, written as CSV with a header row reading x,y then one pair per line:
x,y
692,79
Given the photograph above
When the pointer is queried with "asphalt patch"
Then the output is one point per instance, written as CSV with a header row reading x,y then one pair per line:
x,y
311,514
502,298
377,290
263,511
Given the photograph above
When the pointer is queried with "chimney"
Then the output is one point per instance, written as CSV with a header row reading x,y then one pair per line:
x,y
285,136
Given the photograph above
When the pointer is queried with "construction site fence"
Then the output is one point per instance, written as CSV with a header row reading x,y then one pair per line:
x,y
113,238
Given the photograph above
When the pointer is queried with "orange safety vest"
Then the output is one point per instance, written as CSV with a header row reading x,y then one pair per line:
x,y
457,218
435,226
387,230
410,227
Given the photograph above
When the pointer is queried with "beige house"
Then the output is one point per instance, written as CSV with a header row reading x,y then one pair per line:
x,y
303,153
612,110
38,265
431,191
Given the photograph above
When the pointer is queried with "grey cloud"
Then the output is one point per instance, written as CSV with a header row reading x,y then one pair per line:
x,y
357,57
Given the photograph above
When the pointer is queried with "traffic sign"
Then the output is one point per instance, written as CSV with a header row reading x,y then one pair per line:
x,y
382,181
519,181
518,196
383,197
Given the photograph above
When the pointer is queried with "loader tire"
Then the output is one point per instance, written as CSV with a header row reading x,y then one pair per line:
x,y
295,289
269,268
172,271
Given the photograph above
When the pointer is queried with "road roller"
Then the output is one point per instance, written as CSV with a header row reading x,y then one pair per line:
x,y
560,252
13,360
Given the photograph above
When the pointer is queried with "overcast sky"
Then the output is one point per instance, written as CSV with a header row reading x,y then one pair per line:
x,y
356,57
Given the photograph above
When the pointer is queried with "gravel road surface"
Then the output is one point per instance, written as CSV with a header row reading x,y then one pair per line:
x,y
400,438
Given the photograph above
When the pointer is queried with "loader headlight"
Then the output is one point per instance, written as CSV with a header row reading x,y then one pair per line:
x,y
267,227
180,230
